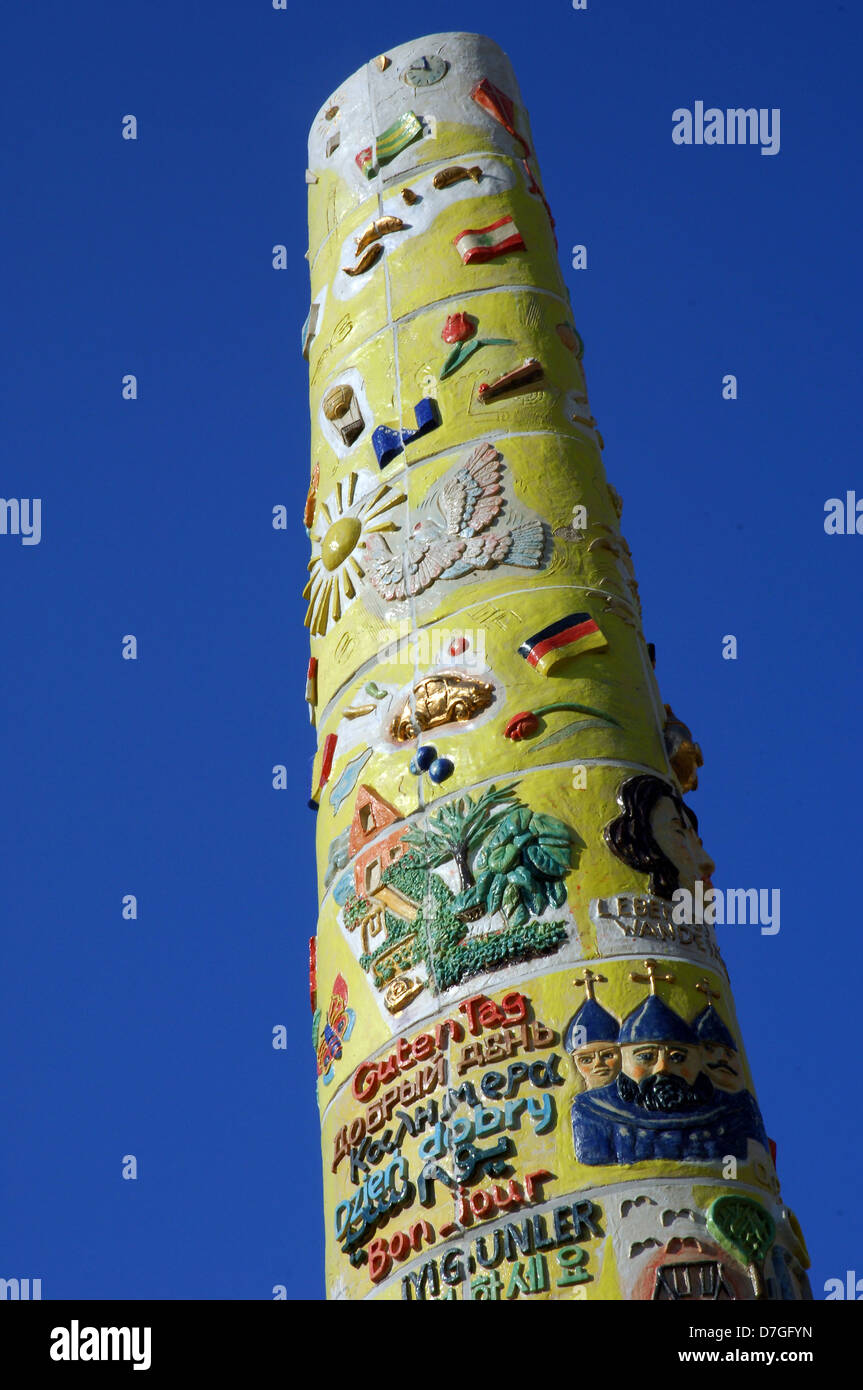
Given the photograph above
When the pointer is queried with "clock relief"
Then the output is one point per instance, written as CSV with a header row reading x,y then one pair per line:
x,y
425,72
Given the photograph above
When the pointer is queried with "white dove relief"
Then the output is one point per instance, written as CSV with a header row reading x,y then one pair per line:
x,y
469,503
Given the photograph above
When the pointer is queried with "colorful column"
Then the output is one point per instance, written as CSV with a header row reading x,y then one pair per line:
x,y
530,1073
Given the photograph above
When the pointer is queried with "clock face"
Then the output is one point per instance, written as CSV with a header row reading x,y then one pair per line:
x,y
424,72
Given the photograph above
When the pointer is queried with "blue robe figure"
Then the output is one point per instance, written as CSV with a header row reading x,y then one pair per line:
x,y
591,1024
663,1117
717,1039
591,1037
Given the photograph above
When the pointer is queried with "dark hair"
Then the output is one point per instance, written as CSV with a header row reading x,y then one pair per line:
x,y
630,837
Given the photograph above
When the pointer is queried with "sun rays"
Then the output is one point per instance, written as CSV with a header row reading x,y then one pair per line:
x,y
339,526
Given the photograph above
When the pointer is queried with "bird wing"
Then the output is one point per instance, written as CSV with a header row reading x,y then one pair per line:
x,y
483,551
386,573
425,562
472,498
523,545
421,562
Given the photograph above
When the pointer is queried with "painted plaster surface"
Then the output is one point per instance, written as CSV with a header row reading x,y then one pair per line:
x,y
531,1077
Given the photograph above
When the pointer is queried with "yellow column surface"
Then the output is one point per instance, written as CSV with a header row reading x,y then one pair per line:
x,y
530,1073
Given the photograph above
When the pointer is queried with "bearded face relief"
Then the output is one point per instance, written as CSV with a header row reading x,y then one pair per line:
x,y
661,1059
662,1076
659,1100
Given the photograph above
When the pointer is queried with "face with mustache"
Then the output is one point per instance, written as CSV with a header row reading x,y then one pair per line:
x,y
641,1060
722,1065
665,1092
663,1076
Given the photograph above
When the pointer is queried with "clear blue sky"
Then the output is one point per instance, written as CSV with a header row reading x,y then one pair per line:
x,y
154,777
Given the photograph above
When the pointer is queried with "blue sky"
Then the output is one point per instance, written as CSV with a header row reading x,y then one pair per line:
x,y
153,777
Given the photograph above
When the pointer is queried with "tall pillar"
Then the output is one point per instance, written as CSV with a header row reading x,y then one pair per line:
x,y
531,1077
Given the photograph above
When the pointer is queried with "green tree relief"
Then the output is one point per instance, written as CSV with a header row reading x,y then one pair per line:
x,y
511,861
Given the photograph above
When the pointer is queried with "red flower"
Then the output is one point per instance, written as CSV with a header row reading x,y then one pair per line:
x,y
457,328
522,725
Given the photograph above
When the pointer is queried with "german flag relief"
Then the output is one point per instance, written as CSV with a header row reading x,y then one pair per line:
x,y
569,636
